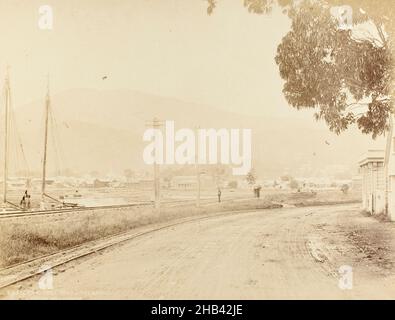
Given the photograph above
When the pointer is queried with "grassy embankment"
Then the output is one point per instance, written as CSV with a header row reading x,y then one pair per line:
x,y
24,238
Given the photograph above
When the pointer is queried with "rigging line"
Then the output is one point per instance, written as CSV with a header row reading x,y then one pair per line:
x,y
54,142
15,132
7,149
2,128
13,154
19,144
42,131
57,141
8,132
60,146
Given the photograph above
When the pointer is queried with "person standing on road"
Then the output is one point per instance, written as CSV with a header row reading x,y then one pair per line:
x,y
219,195
28,202
23,202
258,191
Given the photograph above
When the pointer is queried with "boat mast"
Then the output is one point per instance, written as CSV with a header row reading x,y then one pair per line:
x,y
47,105
7,106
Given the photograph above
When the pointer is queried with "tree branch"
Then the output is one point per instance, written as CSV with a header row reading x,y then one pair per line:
x,y
381,33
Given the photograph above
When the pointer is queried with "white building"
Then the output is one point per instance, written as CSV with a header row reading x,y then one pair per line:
x,y
191,182
373,181
391,177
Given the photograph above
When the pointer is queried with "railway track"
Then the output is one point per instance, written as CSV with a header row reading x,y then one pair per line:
x,y
22,271
16,214
168,203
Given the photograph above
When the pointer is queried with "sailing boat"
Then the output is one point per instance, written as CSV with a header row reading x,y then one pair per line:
x,y
6,128
44,195
7,205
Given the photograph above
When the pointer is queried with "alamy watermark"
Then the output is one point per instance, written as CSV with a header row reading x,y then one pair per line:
x,y
199,146
45,17
346,277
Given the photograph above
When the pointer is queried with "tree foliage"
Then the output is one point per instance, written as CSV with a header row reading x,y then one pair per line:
x,y
346,80
251,178
345,75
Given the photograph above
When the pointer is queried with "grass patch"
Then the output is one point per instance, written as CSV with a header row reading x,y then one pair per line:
x,y
25,238
22,239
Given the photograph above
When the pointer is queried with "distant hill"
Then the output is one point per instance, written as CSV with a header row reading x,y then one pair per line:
x,y
102,130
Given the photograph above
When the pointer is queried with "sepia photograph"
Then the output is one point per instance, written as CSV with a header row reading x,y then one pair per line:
x,y
174,150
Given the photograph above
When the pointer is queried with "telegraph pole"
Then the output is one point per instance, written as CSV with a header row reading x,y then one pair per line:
x,y
156,124
47,106
6,122
7,96
157,185
197,167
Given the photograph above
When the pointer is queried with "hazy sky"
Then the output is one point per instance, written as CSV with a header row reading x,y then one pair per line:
x,y
167,47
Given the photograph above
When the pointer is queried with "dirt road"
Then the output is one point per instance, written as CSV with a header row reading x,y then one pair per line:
x,y
290,253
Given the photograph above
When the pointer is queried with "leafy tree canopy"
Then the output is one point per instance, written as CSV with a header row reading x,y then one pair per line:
x,y
343,74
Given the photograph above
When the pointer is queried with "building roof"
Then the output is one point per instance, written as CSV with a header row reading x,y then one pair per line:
x,y
372,156
184,179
